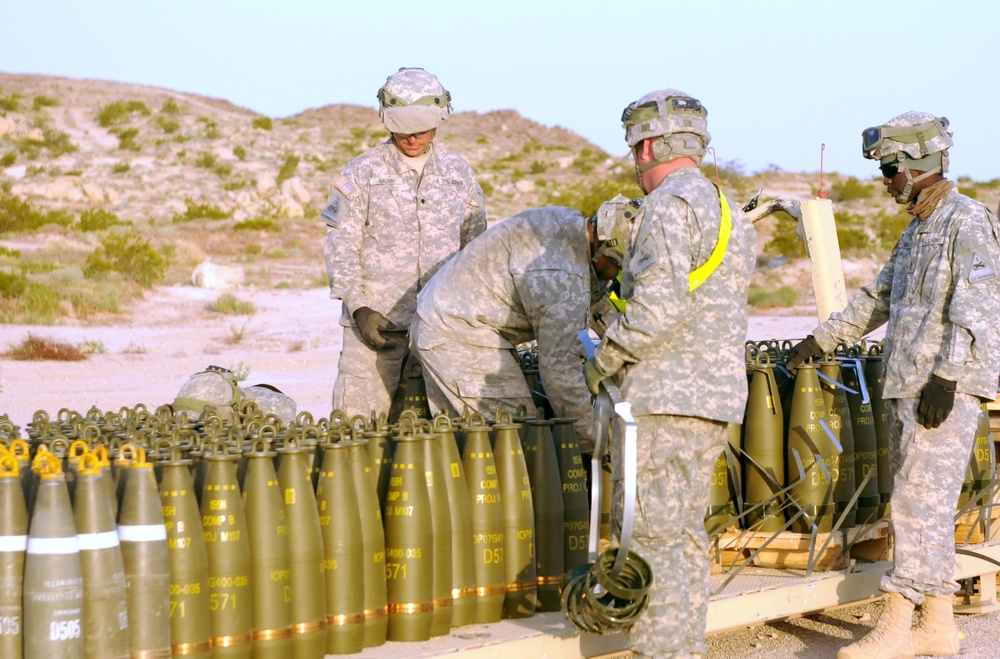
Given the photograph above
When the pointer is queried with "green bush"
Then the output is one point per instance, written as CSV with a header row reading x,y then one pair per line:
x,y
121,167
44,102
18,215
8,159
229,304
206,160
240,152
539,166
97,219
168,125
970,192
786,296
223,170
126,138
853,241
131,257
12,285
588,197
170,107
288,167
55,142
196,211
784,241
264,123
117,113
9,102
211,128
851,189
888,228
257,224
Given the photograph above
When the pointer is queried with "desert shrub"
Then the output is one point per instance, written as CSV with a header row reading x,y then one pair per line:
x,y
12,285
12,253
211,128
97,219
168,125
117,113
44,102
54,141
853,241
784,241
36,348
257,224
288,167
8,159
131,257
9,102
888,228
850,189
539,166
586,160
263,123
18,215
786,296
587,197
126,138
223,170
196,211
229,304
731,175
969,191
206,160
170,107
240,152
487,188
121,167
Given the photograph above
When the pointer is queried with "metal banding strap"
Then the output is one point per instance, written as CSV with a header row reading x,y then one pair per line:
x,y
182,649
459,593
600,448
704,271
229,641
95,541
376,613
411,608
345,619
273,634
550,581
521,586
13,543
490,591
443,602
160,653
70,545
309,627
142,532
623,409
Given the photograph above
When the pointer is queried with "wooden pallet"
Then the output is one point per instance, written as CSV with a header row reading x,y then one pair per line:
x,y
792,550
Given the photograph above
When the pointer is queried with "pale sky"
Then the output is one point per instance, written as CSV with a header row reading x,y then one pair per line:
x,y
778,78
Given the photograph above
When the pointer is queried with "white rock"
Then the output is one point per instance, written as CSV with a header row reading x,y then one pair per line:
x,y
6,126
525,186
217,277
60,189
35,135
288,207
266,185
293,188
93,192
565,162
113,195
17,172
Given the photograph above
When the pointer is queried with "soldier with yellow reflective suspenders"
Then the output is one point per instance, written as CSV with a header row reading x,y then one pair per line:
x,y
394,216
940,295
678,349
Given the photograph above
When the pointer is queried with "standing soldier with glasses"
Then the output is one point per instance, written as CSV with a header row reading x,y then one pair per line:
x,y
394,216
940,295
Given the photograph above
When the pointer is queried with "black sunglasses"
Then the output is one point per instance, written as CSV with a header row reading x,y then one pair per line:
x,y
889,169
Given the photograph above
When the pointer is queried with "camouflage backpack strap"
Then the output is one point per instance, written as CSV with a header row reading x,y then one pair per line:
x,y
215,387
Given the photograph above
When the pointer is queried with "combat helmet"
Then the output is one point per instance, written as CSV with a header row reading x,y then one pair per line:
x,y
413,101
682,122
213,389
913,141
613,224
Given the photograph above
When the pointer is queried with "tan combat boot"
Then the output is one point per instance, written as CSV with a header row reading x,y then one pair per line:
x,y
891,638
936,635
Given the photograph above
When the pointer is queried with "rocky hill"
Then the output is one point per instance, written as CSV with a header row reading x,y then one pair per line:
x,y
198,178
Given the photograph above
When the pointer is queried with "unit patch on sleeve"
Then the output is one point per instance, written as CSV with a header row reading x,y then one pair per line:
x,y
981,267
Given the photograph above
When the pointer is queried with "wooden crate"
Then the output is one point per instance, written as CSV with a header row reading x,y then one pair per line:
x,y
792,550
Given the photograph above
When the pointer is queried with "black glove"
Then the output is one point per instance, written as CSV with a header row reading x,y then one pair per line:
x,y
802,351
370,323
936,400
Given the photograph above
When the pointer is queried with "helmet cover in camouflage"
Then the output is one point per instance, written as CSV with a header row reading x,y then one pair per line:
x,y
911,135
215,388
413,101
668,112
614,225
270,400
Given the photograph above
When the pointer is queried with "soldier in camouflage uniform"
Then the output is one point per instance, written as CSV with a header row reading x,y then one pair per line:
x,y
678,349
529,277
394,216
940,295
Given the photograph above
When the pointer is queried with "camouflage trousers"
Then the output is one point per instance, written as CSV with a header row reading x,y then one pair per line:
x,y
460,376
675,459
370,380
928,467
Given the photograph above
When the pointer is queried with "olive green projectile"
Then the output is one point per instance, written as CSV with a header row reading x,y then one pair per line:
x,y
409,544
105,601
520,572
13,542
763,449
343,550
269,555
547,501
53,574
982,464
882,417
576,501
415,398
380,454
437,494
190,615
721,503
865,442
306,550
841,464
376,611
812,493
487,520
143,537
229,565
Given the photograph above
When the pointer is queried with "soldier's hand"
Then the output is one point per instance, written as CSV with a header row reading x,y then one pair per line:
x,y
802,351
593,374
936,400
370,323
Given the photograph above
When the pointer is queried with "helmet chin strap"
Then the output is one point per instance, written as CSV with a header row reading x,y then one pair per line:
x,y
904,196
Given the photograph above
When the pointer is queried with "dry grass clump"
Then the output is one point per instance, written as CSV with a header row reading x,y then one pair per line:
x,y
36,348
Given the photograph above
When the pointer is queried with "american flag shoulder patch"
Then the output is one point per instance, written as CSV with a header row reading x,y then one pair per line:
x,y
344,185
